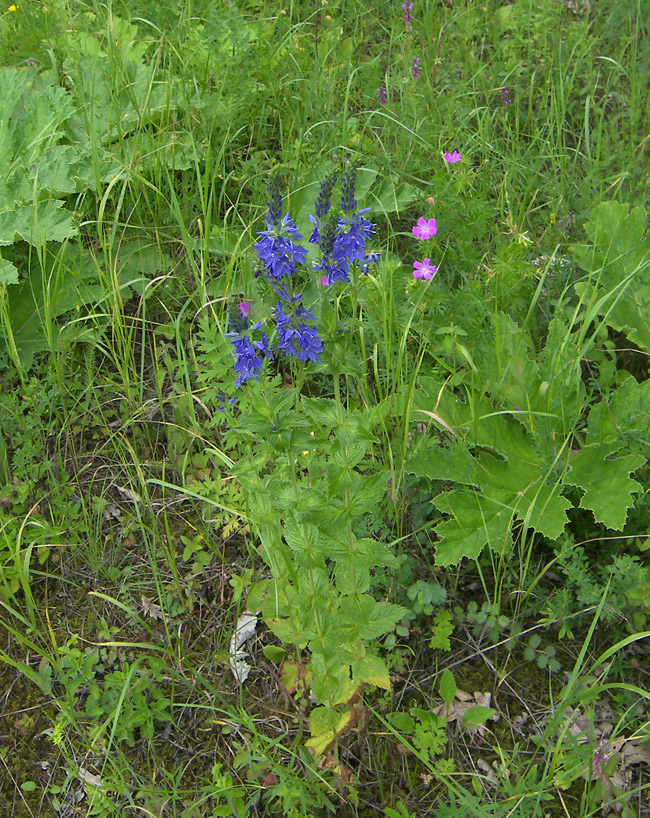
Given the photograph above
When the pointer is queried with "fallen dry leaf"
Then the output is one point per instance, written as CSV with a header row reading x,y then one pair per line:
x,y
150,608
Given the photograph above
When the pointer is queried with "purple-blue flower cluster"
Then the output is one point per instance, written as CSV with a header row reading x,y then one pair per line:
x,y
249,362
297,337
278,248
341,235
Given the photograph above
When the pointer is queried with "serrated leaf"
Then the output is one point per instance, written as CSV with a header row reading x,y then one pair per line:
x,y
617,242
475,522
623,416
507,364
619,259
371,670
37,224
322,411
607,485
437,462
368,618
442,629
326,725
8,273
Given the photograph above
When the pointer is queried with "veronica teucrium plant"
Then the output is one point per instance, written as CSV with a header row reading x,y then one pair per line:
x,y
303,468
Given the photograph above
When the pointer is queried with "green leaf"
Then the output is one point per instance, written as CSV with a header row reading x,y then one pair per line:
x,y
619,260
438,462
325,725
37,224
623,416
8,272
274,653
369,618
607,485
477,715
372,670
448,688
402,722
475,522
442,629
507,366
618,244
391,196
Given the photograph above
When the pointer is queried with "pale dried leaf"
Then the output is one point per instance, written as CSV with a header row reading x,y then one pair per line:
x,y
150,608
246,625
129,494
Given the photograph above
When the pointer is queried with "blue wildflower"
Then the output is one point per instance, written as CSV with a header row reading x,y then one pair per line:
x,y
297,337
278,248
350,245
248,363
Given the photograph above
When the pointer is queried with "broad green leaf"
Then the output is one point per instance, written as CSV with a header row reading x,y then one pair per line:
x,y
331,683
350,580
402,722
322,411
479,714
623,416
450,462
371,670
392,196
8,272
607,485
37,224
274,653
618,244
507,365
475,522
369,618
619,260
326,725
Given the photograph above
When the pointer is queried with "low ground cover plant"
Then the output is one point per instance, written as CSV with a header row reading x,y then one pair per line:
x,y
324,429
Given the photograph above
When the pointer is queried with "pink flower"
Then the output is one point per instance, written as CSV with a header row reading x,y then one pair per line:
x,y
382,96
324,280
425,229
244,309
424,269
452,158
416,68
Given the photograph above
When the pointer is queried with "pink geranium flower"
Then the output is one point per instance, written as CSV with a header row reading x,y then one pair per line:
x,y
452,158
424,269
425,228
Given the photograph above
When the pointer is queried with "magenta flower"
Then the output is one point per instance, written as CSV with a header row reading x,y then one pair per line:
x,y
452,158
602,753
424,229
408,8
416,68
324,280
382,96
424,269
244,309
